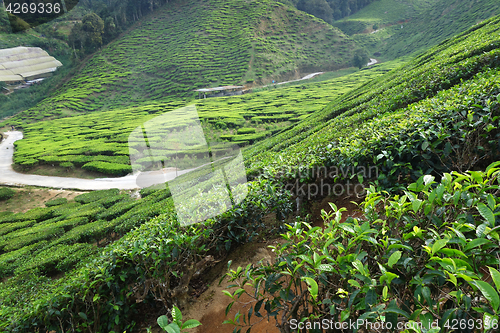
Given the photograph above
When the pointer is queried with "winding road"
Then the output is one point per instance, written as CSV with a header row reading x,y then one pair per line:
x,y
10,177
307,77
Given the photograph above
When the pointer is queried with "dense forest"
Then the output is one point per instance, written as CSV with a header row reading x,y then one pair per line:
x,y
330,10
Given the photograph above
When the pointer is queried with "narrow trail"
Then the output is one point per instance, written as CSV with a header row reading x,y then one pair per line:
x,y
10,177
307,77
372,62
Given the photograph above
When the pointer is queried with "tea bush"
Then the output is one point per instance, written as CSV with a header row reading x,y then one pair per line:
x,y
96,196
114,169
6,193
154,261
56,202
428,254
79,141
314,141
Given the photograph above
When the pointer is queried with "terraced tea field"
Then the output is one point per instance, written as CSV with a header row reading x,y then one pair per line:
x,y
99,141
384,106
53,239
405,27
195,44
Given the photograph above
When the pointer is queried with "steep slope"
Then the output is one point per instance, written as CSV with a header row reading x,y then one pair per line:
x,y
404,27
194,44
346,132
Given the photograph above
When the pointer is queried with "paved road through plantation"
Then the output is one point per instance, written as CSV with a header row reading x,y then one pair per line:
x,y
10,177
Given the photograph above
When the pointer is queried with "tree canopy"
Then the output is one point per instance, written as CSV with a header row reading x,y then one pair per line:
x,y
361,58
330,10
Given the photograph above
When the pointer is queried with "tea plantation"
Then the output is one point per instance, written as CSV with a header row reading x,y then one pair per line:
x,y
84,140
52,240
342,133
425,249
197,44
405,27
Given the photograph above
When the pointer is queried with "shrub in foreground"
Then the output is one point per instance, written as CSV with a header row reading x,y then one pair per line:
x,y
6,193
430,254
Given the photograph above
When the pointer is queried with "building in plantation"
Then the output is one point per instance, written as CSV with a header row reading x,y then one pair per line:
x,y
220,91
22,64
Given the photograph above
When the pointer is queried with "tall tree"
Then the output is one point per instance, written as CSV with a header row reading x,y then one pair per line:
x,y
110,30
318,8
76,36
361,58
93,27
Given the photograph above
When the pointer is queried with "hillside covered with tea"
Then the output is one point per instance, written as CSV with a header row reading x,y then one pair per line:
x,y
197,44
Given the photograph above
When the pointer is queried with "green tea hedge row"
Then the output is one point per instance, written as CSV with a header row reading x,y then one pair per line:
x,y
57,258
93,196
56,202
89,219
6,193
128,263
444,66
108,168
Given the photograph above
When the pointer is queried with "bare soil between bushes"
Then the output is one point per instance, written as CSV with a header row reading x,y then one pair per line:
x,y
209,306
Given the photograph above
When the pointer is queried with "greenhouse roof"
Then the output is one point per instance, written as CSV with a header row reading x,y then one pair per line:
x,y
23,63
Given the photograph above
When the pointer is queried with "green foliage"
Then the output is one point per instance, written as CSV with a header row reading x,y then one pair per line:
x,y
18,24
79,141
92,27
340,135
108,168
331,9
414,26
176,325
360,58
57,258
27,240
56,202
246,130
6,193
429,237
96,196
154,258
318,8
4,21
394,261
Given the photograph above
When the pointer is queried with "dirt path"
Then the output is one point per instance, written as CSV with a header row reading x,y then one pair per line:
x,y
29,198
209,307
307,77
10,177
372,62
